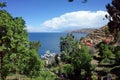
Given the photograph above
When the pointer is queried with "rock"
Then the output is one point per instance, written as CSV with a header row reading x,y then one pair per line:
x,y
98,36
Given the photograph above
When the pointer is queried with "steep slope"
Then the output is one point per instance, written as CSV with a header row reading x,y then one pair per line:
x,y
98,36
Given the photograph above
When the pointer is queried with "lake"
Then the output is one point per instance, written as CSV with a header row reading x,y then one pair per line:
x,y
50,41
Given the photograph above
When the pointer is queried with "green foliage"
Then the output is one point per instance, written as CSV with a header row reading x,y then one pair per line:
x,y
35,45
45,75
33,64
111,48
67,69
105,50
2,4
66,43
118,56
117,48
18,55
93,66
66,47
81,59
13,42
54,69
78,58
106,53
105,60
94,76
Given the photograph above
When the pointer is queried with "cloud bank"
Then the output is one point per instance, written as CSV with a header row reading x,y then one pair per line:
x,y
72,21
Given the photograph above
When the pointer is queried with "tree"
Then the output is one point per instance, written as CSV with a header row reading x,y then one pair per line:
x,y
68,70
117,54
35,45
15,42
5,34
114,17
34,64
76,56
2,4
66,42
66,46
105,50
81,59
17,55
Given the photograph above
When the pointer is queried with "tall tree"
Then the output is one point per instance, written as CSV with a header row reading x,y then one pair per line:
x,y
15,53
114,17
66,44
81,59
2,32
76,55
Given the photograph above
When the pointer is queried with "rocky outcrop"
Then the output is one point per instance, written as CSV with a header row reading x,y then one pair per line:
x,y
98,36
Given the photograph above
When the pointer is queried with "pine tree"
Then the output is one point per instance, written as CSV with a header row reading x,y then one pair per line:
x,y
114,17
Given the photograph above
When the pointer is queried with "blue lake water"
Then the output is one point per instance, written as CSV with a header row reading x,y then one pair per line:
x,y
50,41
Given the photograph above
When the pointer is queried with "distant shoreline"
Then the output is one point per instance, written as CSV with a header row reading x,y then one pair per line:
x,y
84,30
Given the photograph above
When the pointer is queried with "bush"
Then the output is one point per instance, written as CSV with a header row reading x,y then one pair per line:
x,y
105,60
68,69
117,48
45,75
118,56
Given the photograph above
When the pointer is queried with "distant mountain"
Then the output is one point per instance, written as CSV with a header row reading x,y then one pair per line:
x,y
84,30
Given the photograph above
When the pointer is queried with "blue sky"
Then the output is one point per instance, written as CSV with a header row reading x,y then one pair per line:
x,y
58,15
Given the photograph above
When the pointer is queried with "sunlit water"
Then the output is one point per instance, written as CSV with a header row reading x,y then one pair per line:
x,y
50,41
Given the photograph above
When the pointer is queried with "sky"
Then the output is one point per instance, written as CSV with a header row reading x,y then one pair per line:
x,y
58,15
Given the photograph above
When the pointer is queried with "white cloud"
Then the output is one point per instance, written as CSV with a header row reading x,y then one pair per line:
x,y
36,29
33,29
74,20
